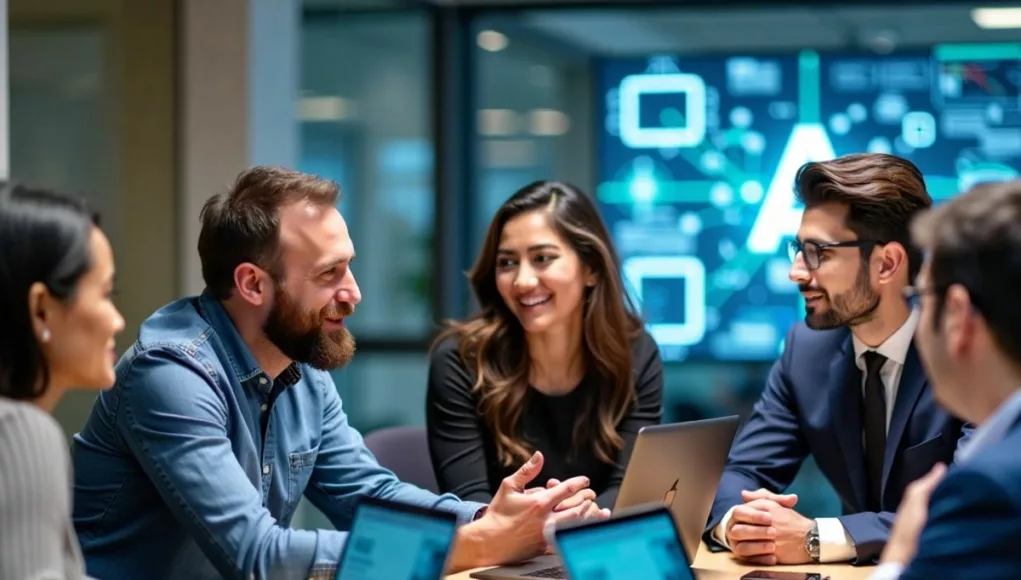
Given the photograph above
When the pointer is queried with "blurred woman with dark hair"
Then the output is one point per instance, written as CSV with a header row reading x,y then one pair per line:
x,y
57,333
556,360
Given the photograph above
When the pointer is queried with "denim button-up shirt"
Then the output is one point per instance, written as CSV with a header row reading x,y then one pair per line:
x,y
192,465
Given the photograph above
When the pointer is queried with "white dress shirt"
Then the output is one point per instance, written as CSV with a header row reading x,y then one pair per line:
x,y
835,545
989,433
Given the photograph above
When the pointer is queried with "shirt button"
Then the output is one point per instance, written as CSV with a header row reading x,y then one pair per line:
x,y
263,381
264,407
265,469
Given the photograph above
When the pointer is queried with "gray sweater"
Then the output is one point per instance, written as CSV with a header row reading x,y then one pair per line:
x,y
37,539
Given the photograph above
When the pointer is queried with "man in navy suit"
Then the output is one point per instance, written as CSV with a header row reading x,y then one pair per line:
x,y
969,336
849,389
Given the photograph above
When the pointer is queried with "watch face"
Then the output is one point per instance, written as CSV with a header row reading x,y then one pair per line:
x,y
812,544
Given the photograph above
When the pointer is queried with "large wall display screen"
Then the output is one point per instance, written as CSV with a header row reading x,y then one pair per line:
x,y
697,158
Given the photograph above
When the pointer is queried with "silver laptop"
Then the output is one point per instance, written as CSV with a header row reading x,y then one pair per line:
x,y
679,465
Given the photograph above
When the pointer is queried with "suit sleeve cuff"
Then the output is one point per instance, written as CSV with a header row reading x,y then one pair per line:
x,y
835,545
887,571
720,531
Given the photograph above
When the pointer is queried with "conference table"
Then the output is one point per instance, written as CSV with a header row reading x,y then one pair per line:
x,y
722,566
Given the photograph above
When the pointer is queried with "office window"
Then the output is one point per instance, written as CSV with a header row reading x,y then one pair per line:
x,y
382,389
532,95
365,122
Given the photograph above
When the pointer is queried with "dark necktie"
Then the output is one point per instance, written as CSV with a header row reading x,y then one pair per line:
x,y
875,427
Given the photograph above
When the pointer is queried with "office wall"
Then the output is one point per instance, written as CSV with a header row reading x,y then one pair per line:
x,y
92,112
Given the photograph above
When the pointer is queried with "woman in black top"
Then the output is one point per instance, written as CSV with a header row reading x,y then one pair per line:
x,y
555,361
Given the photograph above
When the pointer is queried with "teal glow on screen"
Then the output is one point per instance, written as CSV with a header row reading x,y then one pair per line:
x,y
395,546
645,548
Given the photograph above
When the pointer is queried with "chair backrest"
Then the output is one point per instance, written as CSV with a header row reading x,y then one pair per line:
x,y
404,451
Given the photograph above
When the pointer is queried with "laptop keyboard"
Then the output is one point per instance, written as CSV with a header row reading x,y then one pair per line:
x,y
555,572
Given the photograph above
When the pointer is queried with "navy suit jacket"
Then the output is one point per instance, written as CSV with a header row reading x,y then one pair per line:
x,y
974,526
812,406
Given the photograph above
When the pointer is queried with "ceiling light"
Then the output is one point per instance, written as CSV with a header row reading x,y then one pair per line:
x,y
498,122
492,40
997,17
548,122
325,109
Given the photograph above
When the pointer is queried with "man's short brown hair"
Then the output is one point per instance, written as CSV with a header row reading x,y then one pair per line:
x,y
975,240
883,193
243,224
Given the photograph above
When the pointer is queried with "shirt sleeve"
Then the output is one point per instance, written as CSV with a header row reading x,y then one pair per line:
x,y
720,531
346,470
35,497
835,544
887,571
174,421
456,444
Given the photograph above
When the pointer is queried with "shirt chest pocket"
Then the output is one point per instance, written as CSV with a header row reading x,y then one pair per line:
x,y
299,470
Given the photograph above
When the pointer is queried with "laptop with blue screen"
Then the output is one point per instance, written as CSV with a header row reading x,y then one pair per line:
x,y
397,542
676,465
639,544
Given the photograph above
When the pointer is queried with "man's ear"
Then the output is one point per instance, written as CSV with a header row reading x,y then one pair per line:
x,y
252,284
893,259
958,325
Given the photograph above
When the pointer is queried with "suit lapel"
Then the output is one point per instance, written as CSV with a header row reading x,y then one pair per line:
x,y
912,383
845,401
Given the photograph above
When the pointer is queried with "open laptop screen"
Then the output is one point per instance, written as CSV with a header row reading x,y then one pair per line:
x,y
396,542
641,546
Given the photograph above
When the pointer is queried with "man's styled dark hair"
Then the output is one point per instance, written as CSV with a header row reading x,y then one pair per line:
x,y
243,224
44,237
975,240
883,194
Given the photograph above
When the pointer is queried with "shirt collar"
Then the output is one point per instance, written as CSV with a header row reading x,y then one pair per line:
x,y
894,348
994,429
240,357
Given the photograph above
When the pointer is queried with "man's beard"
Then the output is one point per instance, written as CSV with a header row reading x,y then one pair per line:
x,y
855,306
300,336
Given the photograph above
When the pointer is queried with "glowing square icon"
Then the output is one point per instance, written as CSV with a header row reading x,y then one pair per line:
x,y
633,135
692,271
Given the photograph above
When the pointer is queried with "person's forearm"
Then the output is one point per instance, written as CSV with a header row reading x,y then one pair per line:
x,y
469,549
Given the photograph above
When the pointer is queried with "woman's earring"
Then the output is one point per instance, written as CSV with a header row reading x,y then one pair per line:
x,y
45,335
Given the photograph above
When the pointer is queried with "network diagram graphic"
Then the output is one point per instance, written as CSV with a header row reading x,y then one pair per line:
x,y
698,158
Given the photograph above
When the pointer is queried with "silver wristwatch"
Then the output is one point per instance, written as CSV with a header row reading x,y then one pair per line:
x,y
812,543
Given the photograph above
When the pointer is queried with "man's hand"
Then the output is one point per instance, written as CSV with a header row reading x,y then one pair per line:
x,y
911,517
573,501
766,530
512,529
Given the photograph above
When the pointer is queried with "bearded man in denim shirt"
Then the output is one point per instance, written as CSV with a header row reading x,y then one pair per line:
x,y
223,415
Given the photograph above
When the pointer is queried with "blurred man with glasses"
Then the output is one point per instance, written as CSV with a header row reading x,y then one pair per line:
x,y
968,524
849,388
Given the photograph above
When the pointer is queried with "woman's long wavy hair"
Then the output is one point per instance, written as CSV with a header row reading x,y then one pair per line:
x,y
492,343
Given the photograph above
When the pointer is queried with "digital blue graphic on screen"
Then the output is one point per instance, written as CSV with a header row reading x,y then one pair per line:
x,y
698,158
644,548
396,545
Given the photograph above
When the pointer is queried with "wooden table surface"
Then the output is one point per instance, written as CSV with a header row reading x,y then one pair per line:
x,y
721,566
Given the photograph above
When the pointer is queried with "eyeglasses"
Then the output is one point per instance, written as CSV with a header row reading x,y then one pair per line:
x,y
812,251
913,294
